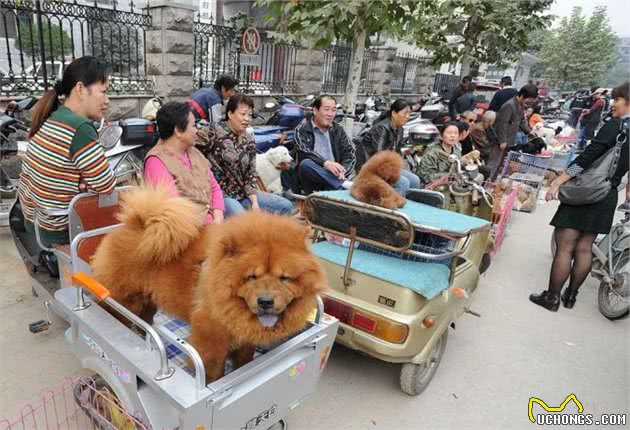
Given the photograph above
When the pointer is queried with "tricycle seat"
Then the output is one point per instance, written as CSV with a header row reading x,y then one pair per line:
x,y
426,279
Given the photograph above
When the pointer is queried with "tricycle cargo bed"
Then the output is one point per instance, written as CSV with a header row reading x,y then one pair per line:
x,y
255,396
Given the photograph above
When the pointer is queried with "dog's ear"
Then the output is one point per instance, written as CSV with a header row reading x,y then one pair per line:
x,y
228,245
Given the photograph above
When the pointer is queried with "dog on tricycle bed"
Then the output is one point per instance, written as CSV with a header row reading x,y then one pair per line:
x,y
251,281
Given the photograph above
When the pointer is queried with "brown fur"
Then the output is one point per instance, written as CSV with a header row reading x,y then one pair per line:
x,y
374,183
164,256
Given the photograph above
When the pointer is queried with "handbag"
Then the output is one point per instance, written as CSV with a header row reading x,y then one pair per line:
x,y
593,184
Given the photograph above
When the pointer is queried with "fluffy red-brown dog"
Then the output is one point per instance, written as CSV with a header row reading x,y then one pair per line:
x,y
374,183
251,281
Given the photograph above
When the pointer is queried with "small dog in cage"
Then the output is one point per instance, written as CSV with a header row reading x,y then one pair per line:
x,y
374,183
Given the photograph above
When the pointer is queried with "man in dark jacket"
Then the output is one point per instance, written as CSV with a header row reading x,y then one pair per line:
x,y
324,155
510,119
504,94
206,103
457,93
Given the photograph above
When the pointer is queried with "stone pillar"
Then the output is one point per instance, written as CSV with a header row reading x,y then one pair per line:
x,y
425,75
308,71
169,45
383,67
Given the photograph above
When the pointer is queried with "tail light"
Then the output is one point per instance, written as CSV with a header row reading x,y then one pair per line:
x,y
150,128
368,322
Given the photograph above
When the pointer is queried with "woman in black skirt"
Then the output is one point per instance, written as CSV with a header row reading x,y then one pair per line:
x,y
576,227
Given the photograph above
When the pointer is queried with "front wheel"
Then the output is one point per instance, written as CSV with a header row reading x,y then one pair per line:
x,y
415,378
614,302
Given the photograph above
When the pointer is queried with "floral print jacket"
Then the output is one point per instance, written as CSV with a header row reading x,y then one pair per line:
x,y
232,157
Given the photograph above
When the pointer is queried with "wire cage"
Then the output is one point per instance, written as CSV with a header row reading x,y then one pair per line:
x,y
82,403
502,207
529,171
561,160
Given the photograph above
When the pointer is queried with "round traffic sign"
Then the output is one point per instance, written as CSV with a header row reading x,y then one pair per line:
x,y
251,41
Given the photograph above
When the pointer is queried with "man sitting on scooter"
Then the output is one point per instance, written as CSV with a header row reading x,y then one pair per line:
x,y
64,157
324,155
206,103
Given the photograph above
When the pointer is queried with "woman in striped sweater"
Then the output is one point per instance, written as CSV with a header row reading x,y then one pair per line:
x,y
64,157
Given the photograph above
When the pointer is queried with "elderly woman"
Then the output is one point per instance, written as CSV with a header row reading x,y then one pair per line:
x,y
483,136
231,151
435,162
176,164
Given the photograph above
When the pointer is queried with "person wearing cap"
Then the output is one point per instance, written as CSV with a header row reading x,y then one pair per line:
x,y
590,118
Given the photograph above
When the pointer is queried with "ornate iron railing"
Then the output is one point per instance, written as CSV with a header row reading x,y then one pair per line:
x,y
39,38
217,51
407,73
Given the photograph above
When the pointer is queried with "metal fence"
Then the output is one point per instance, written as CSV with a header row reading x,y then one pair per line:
x,y
407,73
366,85
336,68
217,50
445,83
42,37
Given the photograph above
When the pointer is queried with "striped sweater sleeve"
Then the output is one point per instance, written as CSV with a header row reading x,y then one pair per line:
x,y
89,158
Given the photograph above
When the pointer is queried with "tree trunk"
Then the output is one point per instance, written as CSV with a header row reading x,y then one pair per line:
x,y
354,77
465,69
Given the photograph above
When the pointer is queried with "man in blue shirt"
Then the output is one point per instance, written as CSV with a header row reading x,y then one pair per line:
x,y
206,103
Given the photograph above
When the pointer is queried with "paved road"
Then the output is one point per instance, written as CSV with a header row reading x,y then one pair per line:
x,y
491,367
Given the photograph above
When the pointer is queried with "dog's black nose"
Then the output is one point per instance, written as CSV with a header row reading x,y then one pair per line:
x,y
265,303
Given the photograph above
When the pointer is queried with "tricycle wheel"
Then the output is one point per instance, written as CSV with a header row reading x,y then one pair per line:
x,y
486,259
415,378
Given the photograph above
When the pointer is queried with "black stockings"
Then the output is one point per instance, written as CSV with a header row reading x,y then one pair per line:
x,y
573,246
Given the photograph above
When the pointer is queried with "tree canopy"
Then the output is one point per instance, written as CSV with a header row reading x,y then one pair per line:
x,y
580,51
480,31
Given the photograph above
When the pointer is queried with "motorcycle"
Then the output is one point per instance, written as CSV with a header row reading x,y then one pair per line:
x,y
611,266
418,134
369,111
10,150
436,110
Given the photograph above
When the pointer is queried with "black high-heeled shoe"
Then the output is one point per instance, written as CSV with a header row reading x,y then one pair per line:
x,y
546,299
568,297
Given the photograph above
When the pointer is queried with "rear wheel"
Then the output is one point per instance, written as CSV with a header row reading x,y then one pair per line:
x,y
484,265
415,378
614,302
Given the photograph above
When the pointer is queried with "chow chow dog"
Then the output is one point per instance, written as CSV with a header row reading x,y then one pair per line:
x,y
374,183
251,281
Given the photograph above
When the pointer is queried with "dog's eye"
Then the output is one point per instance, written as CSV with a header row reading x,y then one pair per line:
x,y
285,278
251,278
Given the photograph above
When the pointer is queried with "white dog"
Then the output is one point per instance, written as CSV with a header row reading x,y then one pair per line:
x,y
270,165
546,133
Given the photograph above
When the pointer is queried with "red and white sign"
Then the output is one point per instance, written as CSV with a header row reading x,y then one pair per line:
x,y
251,41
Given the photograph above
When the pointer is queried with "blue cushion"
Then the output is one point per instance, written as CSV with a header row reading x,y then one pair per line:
x,y
429,216
427,279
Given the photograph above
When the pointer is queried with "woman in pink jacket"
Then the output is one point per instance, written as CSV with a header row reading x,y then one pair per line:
x,y
175,163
